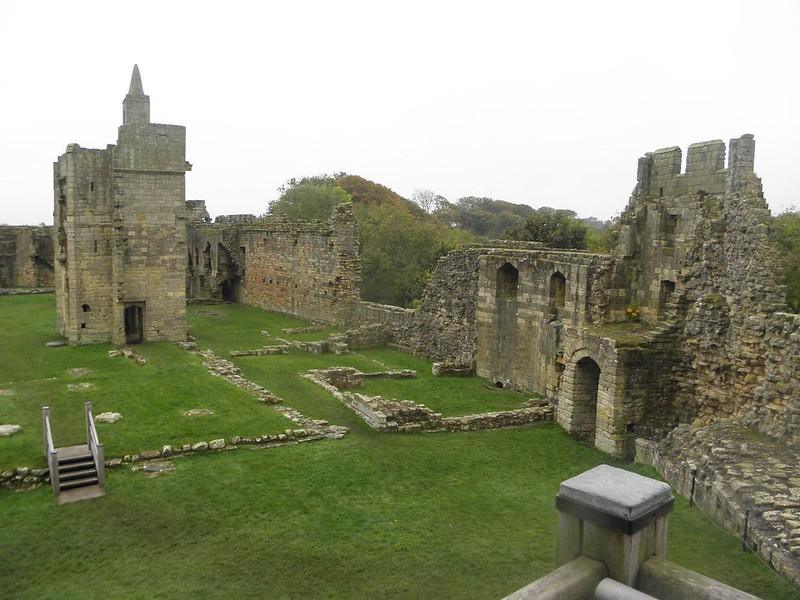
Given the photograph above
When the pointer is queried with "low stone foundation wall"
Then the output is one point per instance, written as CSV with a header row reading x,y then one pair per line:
x,y
734,476
364,336
384,414
445,370
25,291
263,351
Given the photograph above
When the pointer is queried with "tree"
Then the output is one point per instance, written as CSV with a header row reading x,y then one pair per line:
x,y
787,245
309,198
485,217
555,228
428,200
399,242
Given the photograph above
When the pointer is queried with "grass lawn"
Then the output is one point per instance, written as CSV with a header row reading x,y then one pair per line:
x,y
447,395
446,515
226,327
151,398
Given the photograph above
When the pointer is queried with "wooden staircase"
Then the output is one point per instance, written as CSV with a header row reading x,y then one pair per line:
x,y
76,472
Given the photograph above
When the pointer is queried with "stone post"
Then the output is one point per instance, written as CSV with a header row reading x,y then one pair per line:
x,y
615,517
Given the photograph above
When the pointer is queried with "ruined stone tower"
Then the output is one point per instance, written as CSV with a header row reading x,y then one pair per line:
x,y
120,232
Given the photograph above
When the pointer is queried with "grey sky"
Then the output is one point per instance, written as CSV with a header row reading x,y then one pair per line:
x,y
545,103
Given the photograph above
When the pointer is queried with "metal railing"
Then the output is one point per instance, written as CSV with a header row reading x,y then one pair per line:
x,y
95,446
50,454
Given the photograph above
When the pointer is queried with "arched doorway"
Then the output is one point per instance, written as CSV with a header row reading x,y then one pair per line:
x,y
584,398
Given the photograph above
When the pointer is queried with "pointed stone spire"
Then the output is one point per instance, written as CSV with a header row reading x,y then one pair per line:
x,y
136,106
136,83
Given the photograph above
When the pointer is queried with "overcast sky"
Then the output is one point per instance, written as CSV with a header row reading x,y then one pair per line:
x,y
544,103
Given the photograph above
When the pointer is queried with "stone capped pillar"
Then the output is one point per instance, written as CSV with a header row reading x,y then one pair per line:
x,y
613,516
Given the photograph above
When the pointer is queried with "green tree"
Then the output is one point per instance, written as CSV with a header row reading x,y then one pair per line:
x,y
309,198
399,242
787,245
554,227
485,217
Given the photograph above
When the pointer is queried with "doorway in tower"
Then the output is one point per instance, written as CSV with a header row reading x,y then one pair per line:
x,y
134,322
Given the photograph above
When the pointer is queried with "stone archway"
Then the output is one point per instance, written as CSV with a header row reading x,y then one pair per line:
x,y
578,396
584,398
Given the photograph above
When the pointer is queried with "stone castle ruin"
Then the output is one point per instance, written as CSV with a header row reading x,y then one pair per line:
x,y
120,232
693,261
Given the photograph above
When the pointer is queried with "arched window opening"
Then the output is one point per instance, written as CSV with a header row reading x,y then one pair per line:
x,y
558,292
507,282
86,308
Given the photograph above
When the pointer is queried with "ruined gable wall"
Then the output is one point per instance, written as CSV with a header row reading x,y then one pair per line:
x,y
308,269
26,256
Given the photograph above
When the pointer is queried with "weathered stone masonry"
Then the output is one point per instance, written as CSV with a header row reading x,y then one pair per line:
x,y
308,269
26,256
120,232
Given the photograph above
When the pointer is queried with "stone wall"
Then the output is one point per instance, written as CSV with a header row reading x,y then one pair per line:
x,y
524,299
307,269
745,482
26,256
196,212
776,406
443,327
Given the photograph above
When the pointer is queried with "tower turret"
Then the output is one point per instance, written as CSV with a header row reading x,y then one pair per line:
x,y
136,106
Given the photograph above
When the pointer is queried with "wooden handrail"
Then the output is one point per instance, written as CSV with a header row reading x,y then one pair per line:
x,y
95,447
50,454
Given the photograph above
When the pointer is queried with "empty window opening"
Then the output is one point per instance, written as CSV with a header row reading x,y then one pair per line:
x,y
95,245
86,308
91,186
661,192
507,282
630,427
558,291
670,224
207,258
666,290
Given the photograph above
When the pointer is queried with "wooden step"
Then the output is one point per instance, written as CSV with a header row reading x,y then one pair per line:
x,y
74,483
75,466
74,459
73,475
80,493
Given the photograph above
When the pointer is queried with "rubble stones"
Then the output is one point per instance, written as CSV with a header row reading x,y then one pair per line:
x,y
80,387
9,430
107,417
198,412
736,469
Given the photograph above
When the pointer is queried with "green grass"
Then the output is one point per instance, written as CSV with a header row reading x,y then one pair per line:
x,y
379,516
226,327
447,395
446,515
151,398
626,333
